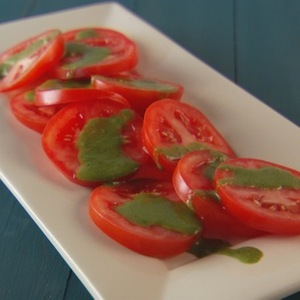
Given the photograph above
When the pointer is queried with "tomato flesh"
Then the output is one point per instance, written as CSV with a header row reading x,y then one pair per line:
x,y
261,194
152,240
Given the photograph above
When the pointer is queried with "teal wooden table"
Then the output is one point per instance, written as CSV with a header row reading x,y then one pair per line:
x,y
254,43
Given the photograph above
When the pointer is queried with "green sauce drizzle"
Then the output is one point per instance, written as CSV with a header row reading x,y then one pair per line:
x,y
209,171
62,84
85,34
247,254
175,152
100,154
86,55
29,96
265,178
208,195
146,84
205,247
150,85
148,210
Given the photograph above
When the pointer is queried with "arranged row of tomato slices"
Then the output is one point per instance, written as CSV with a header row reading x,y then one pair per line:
x,y
162,176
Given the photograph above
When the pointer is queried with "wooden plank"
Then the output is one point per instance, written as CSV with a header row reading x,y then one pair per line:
x,y
268,56
14,9
205,28
75,289
45,6
30,268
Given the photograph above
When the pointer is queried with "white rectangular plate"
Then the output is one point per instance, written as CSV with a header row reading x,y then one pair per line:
x,y
59,207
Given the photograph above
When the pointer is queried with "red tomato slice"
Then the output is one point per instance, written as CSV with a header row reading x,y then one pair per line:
x,y
27,61
94,142
91,51
150,170
172,129
55,91
193,182
139,91
261,194
33,117
160,214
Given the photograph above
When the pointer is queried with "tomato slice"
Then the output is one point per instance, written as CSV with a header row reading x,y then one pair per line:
x,y
145,216
55,91
172,129
23,108
261,194
27,61
149,170
91,51
139,91
193,182
94,142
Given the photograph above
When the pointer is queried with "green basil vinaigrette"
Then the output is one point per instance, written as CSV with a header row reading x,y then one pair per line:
x,y
141,83
246,254
209,171
265,178
29,96
86,55
148,210
177,151
100,154
63,84
86,34
209,195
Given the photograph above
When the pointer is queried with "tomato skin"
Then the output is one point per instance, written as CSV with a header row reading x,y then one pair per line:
x,y
274,210
31,116
123,54
196,189
149,241
139,96
169,123
53,92
30,68
61,133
